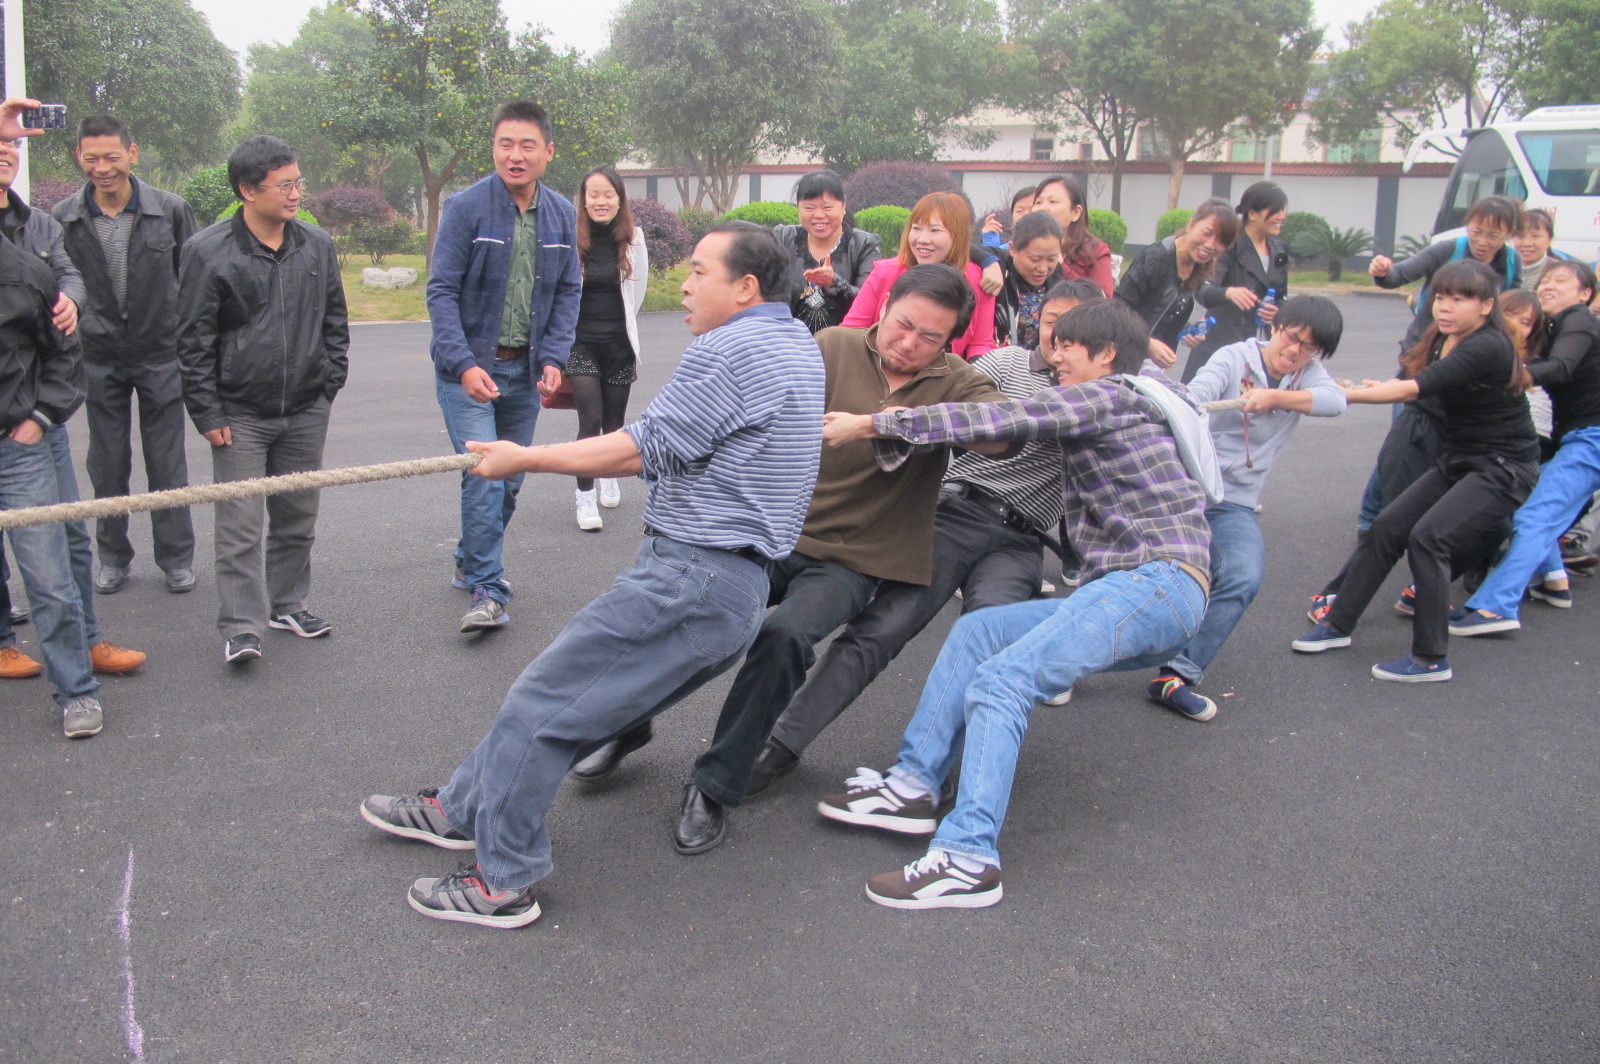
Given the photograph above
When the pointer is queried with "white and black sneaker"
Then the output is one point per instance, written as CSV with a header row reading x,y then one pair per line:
x,y
304,624
936,881
464,898
418,818
871,802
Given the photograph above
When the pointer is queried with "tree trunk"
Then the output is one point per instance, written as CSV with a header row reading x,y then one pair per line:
x,y
1116,186
1335,267
1174,180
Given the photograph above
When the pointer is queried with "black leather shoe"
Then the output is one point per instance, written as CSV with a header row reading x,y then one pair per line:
x,y
774,762
703,823
604,761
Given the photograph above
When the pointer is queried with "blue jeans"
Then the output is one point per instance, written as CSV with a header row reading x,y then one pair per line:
x,y
28,478
79,546
998,663
487,505
1238,565
1565,484
681,616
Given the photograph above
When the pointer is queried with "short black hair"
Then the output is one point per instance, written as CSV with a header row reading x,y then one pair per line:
x,y
1262,196
819,183
1538,218
257,157
755,251
1023,193
1102,323
522,111
1578,268
1032,226
1078,289
105,126
1318,313
941,283
1501,211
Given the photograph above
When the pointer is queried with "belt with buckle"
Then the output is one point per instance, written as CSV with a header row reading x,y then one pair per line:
x,y
1009,515
509,354
749,554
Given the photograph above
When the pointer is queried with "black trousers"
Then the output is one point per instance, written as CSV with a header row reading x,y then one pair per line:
x,y
1448,507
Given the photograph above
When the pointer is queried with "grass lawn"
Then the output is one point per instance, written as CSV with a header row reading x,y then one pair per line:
x,y
385,304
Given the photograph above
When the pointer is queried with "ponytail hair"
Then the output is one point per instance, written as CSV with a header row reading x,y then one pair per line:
x,y
1470,279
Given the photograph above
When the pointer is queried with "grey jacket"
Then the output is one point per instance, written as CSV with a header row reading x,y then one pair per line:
x,y
147,333
38,373
263,335
1249,444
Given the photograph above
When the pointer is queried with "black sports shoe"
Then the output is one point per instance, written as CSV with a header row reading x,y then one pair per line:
x,y
305,624
417,818
464,898
242,648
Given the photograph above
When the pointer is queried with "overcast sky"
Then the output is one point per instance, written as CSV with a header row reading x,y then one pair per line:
x,y
580,26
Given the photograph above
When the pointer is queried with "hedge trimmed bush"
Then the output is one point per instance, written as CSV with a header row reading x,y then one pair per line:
x,y
666,238
1109,226
302,214
888,221
1171,221
899,184
697,220
345,206
1304,231
765,212
46,192
208,194
376,240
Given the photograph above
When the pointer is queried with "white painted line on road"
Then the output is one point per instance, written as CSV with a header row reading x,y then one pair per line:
x,y
132,1033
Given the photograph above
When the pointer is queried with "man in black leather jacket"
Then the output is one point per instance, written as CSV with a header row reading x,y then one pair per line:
x,y
262,339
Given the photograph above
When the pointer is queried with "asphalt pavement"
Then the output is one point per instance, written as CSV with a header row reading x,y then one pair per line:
x,y
1333,870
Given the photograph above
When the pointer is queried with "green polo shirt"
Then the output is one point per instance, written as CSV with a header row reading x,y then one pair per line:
x,y
514,323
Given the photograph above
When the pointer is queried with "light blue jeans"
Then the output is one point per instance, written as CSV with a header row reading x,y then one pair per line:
x,y
28,478
1565,484
1238,565
998,663
487,505
79,546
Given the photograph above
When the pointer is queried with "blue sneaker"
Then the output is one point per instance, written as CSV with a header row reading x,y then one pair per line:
x,y
1476,622
1172,692
1317,612
1561,598
1409,670
1322,636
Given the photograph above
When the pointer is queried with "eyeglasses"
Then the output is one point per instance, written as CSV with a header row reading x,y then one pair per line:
x,y
287,187
1479,233
1301,346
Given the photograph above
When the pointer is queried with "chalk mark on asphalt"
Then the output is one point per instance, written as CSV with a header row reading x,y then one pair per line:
x,y
132,1033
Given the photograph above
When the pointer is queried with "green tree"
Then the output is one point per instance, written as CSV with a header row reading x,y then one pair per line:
x,y
588,101
1567,42
1414,65
909,76
718,81
153,63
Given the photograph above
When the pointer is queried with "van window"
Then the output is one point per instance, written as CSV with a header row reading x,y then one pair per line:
x,y
1565,162
1484,169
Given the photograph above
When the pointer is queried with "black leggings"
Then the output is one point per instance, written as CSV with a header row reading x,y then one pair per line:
x,y
601,409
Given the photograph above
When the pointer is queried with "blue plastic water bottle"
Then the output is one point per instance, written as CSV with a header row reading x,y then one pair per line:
x,y
1264,329
1198,330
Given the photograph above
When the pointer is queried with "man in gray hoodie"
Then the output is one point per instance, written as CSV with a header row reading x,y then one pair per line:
x,y
1281,379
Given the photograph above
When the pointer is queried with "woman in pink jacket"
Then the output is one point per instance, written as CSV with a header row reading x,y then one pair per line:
x,y
939,230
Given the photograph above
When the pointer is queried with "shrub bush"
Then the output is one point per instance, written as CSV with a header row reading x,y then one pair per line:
x,y
896,184
888,221
697,220
303,214
1301,228
767,213
1335,245
1171,221
1109,226
345,206
49,191
208,194
666,238
378,240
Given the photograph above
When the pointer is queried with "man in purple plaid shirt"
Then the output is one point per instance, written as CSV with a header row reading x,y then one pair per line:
x,y
1138,519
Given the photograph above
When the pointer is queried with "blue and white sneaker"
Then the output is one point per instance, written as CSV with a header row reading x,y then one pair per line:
x,y
1561,598
1409,670
1476,622
1322,636
1170,691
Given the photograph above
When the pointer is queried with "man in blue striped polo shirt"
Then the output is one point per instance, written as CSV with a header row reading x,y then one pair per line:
x,y
730,449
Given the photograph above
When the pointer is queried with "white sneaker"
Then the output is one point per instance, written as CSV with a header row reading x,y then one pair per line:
x,y
589,512
610,493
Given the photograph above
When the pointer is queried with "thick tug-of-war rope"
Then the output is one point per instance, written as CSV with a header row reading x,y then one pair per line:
x,y
198,494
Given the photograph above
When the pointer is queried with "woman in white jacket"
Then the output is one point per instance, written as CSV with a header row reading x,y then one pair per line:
x,y
605,354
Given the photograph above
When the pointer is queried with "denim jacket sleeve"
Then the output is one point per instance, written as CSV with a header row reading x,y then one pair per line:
x,y
452,253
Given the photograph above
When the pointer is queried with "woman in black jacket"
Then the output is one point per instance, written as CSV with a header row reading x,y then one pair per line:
x,y
1489,463
832,256
1032,267
1256,263
1163,278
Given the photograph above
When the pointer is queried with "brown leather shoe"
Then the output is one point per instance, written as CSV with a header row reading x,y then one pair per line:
x,y
15,665
108,657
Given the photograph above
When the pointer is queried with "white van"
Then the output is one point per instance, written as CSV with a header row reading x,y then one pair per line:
x,y
1549,158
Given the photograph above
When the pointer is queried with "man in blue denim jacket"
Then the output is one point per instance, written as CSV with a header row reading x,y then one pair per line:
x,y
503,297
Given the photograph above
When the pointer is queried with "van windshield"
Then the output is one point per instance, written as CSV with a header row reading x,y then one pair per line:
x,y
1566,162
